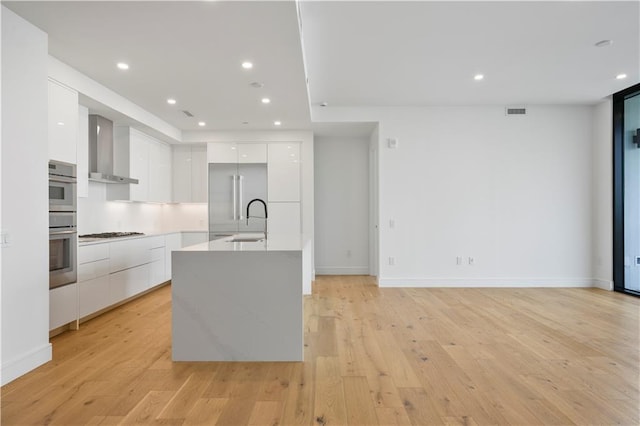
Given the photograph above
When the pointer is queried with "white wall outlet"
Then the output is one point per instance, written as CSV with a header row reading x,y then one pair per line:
x,y
392,261
392,223
459,260
472,261
348,253
392,143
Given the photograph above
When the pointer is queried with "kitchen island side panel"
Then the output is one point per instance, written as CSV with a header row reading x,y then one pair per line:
x,y
237,306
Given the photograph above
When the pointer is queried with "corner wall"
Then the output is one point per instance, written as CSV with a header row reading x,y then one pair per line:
x,y
602,246
25,274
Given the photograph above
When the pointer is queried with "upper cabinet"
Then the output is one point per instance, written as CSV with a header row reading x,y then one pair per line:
x,y
83,152
63,123
190,173
141,157
229,152
283,172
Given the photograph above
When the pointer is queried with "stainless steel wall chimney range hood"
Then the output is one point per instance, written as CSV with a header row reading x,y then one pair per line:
x,y
101,152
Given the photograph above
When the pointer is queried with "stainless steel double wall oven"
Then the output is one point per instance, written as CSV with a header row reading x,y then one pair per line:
x,y
63,234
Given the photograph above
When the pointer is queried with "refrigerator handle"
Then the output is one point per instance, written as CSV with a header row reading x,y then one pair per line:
x,y
240,193
234,192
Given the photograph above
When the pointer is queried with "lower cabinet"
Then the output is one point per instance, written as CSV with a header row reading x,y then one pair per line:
x,y
63,305
93,295
192,238
172,242
111,272
127,283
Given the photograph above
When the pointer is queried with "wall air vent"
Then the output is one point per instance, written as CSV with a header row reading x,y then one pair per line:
x,y
187,113
515,111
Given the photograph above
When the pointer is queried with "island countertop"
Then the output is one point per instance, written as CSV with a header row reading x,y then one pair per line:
x,y
274,242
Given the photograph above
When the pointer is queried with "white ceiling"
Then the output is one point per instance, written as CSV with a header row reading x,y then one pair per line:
x,y
361,53
386,53
190,51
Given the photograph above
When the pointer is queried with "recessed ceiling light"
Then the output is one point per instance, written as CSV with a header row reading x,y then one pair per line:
x,y
277,123
122,66
245,122
171,101
604,43
247,65
621,76
201,123
324,104
256,85
478,77
266,100
60,123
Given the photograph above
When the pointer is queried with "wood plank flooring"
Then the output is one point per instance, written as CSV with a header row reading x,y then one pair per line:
x,y
372,357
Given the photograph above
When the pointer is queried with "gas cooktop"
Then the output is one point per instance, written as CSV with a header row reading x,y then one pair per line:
x,y
109,235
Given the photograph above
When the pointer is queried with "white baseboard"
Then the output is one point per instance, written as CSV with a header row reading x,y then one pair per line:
x,y
342,270
486,282
15,368
603,284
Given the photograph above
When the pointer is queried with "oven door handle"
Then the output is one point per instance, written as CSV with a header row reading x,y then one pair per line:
x,y
54,233
63,179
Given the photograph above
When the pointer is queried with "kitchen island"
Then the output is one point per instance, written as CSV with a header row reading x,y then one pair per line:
x,y
240,301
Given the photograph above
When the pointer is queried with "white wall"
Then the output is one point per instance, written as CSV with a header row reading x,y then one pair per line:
x,y
25,274
185,217
602,247
96,214
341,205
513,193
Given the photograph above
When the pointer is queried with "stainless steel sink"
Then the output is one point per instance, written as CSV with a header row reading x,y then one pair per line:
x,y
246,239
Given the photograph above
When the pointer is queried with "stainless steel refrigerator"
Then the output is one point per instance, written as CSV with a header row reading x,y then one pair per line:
x,y
231,187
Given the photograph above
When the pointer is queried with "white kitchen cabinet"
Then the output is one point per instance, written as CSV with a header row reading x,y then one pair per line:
x,y
159,172
157,267
283,172
189,167
93,279
284,218
199,174
181,170
63,305
231,152
82,166
129,253
63,122
172,242
140,156
191,238
93,295
129,282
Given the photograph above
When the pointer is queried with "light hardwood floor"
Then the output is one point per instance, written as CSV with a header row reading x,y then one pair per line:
x,y
372,356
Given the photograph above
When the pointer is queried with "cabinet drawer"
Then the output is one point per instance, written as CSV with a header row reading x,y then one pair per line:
x,y
92,253
128,254
63,305
129,282
157,254
155,242
91,270
93,295
156,272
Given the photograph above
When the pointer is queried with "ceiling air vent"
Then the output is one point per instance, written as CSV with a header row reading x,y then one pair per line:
x,y
187,113
515,111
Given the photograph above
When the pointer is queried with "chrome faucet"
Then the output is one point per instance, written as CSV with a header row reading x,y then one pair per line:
x,y
259,217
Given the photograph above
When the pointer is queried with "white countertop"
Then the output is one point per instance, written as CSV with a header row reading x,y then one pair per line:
x,y
90,241
274,242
